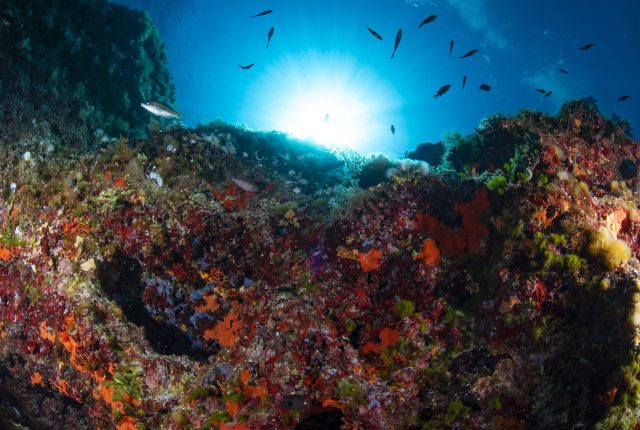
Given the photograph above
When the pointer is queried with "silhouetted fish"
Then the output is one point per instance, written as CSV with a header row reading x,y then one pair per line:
x,y
398,39
541,91
442,91
562,71
427,20
623,98
270,35
266,12
470,53
450,48
464,81
246,67
548,94
587,46
374,33
484,87
393,129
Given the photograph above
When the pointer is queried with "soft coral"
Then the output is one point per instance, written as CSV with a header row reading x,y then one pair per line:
x,y
467,238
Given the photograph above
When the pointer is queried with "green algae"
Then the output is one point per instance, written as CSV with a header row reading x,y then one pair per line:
x,y
404,308
196,394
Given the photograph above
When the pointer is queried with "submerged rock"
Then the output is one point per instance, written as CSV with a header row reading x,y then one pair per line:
x,y
72,73
427,299
628,169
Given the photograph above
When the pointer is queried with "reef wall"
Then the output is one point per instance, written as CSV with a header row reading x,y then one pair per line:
x,y
79,65
147,286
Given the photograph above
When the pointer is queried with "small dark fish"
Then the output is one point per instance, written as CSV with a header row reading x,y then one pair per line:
x,y
374,33
541,91
470,53
427,20
398,39
548,94
464,81
270,35
393,129
442,91
247,67
450,48
623,98
562,71
484,87
6,19
265,13
587,46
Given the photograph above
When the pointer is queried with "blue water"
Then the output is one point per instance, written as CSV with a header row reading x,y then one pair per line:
x,y
324,77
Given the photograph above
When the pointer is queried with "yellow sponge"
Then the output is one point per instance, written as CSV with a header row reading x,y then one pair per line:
x,y
613,252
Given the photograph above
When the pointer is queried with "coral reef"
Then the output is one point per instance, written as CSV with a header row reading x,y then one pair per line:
x,y
219,278
443,300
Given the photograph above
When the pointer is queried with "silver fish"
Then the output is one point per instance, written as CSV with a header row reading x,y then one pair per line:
x,y
158,109
245,184
6,19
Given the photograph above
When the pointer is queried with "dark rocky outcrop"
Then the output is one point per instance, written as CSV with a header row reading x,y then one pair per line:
x,y
80,65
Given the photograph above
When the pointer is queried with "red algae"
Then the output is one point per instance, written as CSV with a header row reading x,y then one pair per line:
x,y
388,337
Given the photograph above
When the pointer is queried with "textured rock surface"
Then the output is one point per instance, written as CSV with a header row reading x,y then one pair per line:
x,y
80,65
472,298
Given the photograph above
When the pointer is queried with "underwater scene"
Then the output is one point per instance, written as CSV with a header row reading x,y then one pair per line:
x,y
319,215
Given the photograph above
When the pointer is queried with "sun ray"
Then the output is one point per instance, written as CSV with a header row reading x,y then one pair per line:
x,y
329,99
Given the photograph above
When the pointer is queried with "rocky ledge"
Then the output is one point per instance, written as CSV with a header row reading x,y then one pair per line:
x,y
145,285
